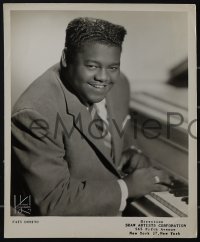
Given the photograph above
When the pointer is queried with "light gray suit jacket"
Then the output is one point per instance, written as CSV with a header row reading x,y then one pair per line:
x,y
56,157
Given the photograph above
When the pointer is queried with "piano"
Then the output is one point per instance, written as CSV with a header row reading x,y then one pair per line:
x,y
166,146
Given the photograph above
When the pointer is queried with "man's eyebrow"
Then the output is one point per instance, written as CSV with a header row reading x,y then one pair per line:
x,y
115,64
97,62
94,61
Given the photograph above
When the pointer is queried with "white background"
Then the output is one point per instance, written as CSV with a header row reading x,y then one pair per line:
x,y
156,41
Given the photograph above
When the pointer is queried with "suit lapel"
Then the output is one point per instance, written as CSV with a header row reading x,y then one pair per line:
x,y
83,122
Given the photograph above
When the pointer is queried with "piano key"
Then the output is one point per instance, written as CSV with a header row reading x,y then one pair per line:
x,y
144,207
185,199
170,202
181,193
176,184
159,205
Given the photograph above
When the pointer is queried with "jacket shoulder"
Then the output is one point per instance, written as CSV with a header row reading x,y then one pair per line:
x,y
44,94
121,90
124,83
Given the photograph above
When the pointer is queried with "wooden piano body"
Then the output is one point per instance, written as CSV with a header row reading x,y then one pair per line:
x,y
158,133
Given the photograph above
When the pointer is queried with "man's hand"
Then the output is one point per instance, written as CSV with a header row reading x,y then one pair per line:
x,y
133,159
145,180
138,161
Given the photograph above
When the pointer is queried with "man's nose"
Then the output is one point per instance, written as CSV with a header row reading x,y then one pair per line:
x,y
102,75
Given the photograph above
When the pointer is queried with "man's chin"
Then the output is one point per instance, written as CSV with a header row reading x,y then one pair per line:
x,y
97,100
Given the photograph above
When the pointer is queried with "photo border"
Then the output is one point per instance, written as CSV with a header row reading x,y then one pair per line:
x,y
98,226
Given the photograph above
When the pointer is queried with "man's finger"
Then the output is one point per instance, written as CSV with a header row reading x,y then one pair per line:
x,y
160,188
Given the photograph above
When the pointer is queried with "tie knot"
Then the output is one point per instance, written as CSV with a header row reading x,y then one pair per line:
x,y
100,109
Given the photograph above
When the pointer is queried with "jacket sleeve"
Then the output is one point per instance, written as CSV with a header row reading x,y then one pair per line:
x,y
46,174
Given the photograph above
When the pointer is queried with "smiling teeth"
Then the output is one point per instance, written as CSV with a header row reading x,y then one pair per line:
x,y
98,86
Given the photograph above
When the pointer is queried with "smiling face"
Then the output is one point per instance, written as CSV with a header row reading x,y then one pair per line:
x,y
94,71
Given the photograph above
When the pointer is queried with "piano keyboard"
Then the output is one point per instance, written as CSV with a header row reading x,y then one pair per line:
x,y
174,206
173,203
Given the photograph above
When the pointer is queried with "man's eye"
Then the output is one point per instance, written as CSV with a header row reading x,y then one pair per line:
x,y
114,68
92,66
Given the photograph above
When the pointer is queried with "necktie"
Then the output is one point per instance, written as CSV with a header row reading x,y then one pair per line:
x,y
101,121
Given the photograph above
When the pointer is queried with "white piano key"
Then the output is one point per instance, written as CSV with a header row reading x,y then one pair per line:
x,y
169,203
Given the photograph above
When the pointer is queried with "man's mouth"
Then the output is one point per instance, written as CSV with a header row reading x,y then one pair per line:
x,y
98,86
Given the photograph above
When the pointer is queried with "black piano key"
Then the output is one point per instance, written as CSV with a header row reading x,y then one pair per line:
x,y
176,184
181,192
185,199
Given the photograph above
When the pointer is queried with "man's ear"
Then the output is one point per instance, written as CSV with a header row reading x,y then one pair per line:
x,y
63,58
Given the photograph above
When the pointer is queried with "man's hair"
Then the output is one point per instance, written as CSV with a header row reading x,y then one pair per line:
x,y
81,30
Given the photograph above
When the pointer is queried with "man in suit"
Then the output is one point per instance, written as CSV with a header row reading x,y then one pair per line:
x,y
69,131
